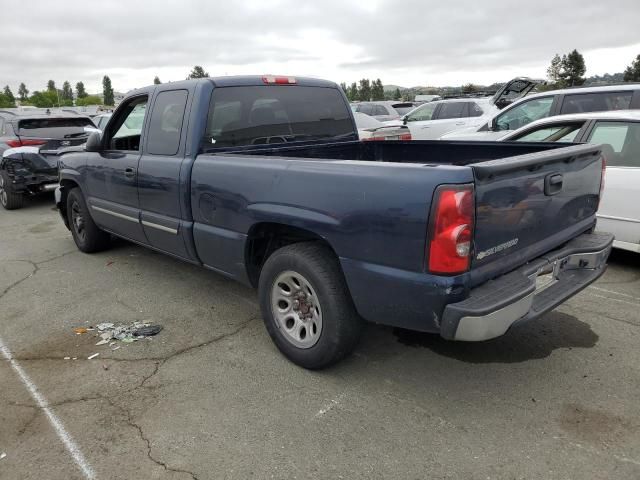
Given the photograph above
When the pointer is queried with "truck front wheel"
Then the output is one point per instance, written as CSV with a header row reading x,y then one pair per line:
x,y
88,237
306,305
9,199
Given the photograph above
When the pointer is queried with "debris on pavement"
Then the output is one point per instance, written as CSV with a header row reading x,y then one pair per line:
x,y
80,330
147,331
91,357
67,358
110,333
2,455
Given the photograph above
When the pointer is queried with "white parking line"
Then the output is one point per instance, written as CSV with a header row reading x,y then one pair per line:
x,y
57,425
614,292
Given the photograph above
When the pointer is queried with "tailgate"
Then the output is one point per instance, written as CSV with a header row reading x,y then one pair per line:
x,y
530,204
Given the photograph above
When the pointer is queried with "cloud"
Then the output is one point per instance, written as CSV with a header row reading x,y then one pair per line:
x,y
412,42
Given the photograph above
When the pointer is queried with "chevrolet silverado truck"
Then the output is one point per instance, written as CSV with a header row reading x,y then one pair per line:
x,y
263,180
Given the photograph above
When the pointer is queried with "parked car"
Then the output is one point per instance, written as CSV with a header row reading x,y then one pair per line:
x,y
102,120
618,212
264,180
549,104
371,129
28,141
384,110
432,120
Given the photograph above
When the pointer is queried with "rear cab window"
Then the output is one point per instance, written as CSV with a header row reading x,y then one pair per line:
x,y
53,127
596,102
258,115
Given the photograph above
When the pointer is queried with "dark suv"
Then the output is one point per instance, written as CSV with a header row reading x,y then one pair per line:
x,y
29,143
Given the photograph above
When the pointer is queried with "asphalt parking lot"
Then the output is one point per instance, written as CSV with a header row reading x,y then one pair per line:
x,y
211,397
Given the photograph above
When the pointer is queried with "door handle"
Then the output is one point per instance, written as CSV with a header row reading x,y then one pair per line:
x,y
553,183
460,123
129,172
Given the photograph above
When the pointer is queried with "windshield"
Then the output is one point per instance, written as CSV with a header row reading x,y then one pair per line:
x,y
275,114
55,128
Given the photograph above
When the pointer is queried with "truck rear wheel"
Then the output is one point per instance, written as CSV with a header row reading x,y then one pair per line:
x,y
306,305
88,237
8,199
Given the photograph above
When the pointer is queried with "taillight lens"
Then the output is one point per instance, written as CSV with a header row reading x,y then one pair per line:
x,y
451,232
405,136
16,142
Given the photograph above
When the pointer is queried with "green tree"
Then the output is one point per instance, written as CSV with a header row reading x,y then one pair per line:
x,y
469,88
89,100
107,91
352,92
397,95
9,94
156,80
408,95
23,93
80,90
573,69
198,72
343,86
6,101
632,72
364,91
51,86
554,71
67,93
377,90
44,99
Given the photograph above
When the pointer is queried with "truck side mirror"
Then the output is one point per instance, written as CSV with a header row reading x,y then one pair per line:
x,y
94,142
404,120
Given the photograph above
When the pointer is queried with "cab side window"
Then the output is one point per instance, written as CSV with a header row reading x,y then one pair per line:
x,y
125,131
165,123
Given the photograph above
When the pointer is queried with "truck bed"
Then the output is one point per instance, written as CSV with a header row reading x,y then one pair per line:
x,y
422,151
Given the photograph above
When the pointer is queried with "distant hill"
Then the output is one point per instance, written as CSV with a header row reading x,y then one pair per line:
x,y
392,88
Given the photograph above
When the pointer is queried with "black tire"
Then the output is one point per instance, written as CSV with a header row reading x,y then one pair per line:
x,y
8,199
88,237
341,325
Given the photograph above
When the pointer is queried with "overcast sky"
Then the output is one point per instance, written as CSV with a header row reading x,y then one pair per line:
x,y
407,43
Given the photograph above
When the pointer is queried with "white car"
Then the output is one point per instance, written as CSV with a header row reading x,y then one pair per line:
x,y
619,211
548,104
432,120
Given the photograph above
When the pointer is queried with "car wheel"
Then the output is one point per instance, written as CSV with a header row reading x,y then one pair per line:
x,y
8,199
307,307
88,237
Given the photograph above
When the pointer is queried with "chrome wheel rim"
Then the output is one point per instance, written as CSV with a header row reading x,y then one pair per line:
x,y
296,308
78,221
3,192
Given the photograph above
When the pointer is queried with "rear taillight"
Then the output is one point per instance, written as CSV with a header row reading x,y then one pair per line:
x,y
405,136
275,80
451,232
16,142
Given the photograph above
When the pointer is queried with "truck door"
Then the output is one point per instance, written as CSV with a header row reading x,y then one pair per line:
x,y
111,174
163,176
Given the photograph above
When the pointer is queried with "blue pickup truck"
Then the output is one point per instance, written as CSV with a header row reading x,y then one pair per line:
x,y
263,180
